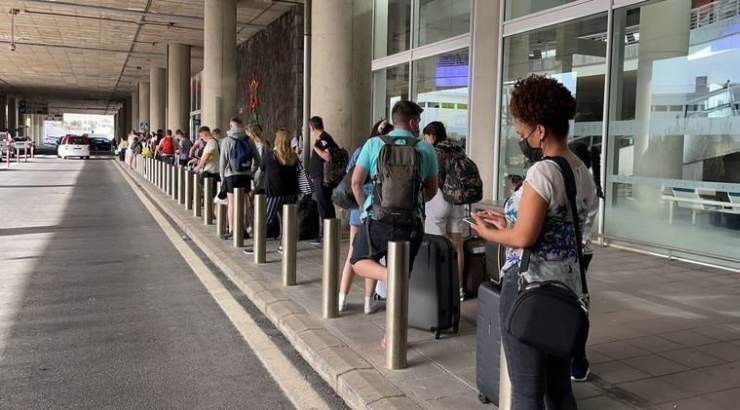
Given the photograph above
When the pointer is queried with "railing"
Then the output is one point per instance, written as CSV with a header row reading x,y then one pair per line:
x,y
715,12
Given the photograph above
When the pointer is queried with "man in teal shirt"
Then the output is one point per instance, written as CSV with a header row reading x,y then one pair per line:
x,y
371,243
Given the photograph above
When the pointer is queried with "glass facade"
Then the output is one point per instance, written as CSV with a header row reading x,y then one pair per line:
x,y
440,86
439,83
672,150
392,27
441,19
390,85
519,8
674,128
575,54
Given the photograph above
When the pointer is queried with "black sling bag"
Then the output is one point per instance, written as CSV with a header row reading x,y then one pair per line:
x,y
549,316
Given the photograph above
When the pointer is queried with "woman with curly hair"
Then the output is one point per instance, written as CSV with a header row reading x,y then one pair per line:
x,y
537,218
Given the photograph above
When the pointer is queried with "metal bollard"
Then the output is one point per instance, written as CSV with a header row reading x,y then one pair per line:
x,y
290,243
220,215
259,230
208,184
197,197
189,189
504,384
173,182
181,185
166,177
397,305
330,283
237,229
157,173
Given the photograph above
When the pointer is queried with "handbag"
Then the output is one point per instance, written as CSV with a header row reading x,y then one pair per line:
x,y
549,316
342,196
305,184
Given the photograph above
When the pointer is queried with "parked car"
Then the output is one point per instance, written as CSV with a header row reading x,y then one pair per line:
x,y
51,140
23,143
74,146
98,143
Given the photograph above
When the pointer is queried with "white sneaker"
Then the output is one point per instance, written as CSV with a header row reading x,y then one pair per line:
x,y
369,310
343,308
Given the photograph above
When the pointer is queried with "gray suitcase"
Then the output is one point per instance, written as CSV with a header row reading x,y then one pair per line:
x,y
488,343
434,287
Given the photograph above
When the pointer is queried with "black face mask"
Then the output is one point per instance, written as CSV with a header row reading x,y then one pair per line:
x,y
532,154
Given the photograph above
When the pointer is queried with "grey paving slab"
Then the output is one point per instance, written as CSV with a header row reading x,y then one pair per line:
x,y
655,365
655,390
618,372
693,357
698,382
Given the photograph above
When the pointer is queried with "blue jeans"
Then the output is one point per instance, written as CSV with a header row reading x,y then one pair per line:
x,y
539,381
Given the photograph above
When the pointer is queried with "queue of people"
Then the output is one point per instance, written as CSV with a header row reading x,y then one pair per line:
x,y
410,182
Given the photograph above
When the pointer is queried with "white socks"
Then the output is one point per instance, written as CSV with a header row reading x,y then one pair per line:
x,y
370,305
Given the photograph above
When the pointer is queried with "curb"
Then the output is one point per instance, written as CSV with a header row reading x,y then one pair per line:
x,y
352,377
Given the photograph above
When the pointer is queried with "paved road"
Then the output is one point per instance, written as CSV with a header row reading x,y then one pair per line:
x,y
98,310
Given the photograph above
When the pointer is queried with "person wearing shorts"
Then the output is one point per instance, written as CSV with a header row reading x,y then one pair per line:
x,y
355,226
442,217
371,243
232,178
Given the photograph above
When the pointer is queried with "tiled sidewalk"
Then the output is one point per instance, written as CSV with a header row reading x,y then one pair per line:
x,y
664,333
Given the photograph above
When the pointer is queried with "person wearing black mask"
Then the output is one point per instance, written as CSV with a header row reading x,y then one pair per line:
x,y
537,219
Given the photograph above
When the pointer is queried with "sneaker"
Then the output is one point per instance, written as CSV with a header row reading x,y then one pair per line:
x,y
248,251
317,242
227,236
280,251
378,297
579,370
369,310
343,308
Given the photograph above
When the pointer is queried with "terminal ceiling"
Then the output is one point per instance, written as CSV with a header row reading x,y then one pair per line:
x,y
98,50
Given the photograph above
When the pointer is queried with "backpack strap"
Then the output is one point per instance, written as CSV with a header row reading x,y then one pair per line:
x,y
571,191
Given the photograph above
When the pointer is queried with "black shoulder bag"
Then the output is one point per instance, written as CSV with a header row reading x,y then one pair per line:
x,y
549,316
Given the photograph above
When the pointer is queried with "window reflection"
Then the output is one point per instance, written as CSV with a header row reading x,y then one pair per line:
x,y
674,129
441,88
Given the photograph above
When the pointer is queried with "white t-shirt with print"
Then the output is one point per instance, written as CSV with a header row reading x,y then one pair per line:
x,y
553,256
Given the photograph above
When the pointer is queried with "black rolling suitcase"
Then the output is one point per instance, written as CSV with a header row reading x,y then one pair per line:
x,y
434,287
488,345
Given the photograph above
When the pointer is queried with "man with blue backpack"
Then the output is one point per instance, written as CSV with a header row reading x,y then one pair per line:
x,y
239,159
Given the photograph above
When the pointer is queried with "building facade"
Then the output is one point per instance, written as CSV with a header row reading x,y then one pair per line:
x,y
657,88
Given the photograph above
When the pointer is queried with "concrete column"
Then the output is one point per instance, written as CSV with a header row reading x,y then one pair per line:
x,y
178,87
340,68
12,114
144,105
157,98
483,130
219,58
42,128
3,113
657,156
39,129
134,125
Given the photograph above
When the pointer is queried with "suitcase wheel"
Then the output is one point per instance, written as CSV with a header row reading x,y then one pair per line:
x,y
483,399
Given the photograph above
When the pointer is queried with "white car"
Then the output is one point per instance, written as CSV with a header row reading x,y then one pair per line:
x,y
23,145
74,146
